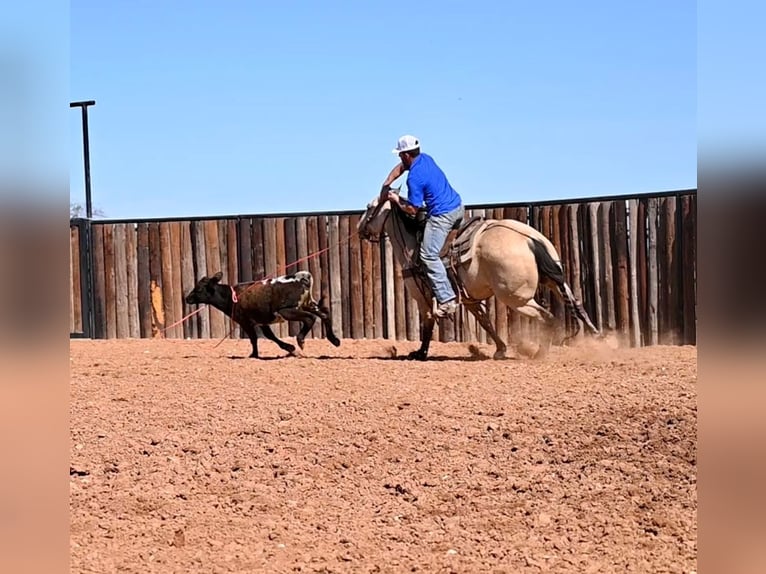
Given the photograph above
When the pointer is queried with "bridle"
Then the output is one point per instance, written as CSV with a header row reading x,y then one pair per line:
x,y
372,217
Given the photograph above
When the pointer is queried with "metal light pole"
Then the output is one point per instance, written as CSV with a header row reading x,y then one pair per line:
x,y
86,251
83,105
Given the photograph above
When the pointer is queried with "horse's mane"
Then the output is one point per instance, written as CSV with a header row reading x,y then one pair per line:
x,y
411,223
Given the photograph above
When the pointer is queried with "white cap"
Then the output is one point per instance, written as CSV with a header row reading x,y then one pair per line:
x,y
406,143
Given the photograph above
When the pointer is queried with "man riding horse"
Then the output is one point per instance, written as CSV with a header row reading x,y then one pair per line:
x,y
428,187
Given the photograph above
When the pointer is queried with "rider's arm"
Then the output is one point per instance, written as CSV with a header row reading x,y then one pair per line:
x,y
404,205
395,174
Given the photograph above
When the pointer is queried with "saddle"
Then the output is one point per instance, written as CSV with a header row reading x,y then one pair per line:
x,y
458,243
456,251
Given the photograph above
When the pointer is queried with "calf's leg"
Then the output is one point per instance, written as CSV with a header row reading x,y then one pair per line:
x,y
252,334
269,334
306,317
324,314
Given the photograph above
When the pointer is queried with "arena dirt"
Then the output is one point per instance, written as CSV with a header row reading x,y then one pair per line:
x,y
187,457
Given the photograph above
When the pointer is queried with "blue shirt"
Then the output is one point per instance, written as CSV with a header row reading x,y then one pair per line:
x,y
426,183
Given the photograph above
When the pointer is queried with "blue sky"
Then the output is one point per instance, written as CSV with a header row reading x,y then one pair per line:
x,y
234,107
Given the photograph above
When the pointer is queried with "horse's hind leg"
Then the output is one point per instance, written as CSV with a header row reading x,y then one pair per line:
x,y
479,311
534,310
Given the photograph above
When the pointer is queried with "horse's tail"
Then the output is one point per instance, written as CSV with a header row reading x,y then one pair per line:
x,y
551,270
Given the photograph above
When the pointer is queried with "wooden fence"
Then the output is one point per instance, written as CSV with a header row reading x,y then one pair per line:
x,y
128,278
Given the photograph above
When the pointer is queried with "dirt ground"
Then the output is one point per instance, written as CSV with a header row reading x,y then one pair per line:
x,y
187,457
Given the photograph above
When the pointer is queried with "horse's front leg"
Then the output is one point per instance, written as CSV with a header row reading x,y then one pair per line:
x,y
422,295
479,311
426,333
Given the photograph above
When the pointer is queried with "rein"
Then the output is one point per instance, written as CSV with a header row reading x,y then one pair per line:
x,y
401,232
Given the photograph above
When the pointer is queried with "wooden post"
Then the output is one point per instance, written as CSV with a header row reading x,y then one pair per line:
x,y
200,267
620,246
689,257
71,282
605,215
282,330
345,275
121,282
635,322
190,327
143,276
291,256
109,283
555,305
78,321
131,252
301,241
673,301
336,294
378,291
178,294
269,238
652,276
573,218
662,272
312,247
596,275
400,303
258,247
643,297
165,284
99,282
270,258
389,264
561,232
356,295
244,254
213,257
245,249
368,289
324,262
232,265
412,317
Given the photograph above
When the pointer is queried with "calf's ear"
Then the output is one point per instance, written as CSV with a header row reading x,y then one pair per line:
x,y
216,278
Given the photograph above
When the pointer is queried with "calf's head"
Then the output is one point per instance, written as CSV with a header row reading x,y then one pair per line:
x,y
205,291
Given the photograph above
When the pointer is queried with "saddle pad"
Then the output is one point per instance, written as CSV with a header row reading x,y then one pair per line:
x,y
461,251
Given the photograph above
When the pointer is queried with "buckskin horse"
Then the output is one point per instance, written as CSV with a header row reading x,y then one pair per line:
x,y
484,257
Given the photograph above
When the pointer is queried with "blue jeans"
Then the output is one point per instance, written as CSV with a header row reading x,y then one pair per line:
x,y
434,236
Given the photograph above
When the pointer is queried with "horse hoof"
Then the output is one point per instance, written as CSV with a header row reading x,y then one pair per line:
x,y
335,341
541,353
300,343
416,356
527,349
499,355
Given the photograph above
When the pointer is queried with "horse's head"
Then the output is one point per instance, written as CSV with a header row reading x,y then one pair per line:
x,y
370,226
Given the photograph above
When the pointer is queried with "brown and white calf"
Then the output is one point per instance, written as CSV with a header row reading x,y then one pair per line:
x,y
263,303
